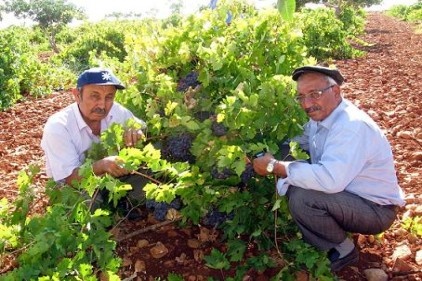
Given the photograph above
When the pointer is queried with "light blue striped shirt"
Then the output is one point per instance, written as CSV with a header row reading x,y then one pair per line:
x,y
349,152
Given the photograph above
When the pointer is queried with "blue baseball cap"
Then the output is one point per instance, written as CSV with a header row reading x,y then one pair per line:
x,y
99,76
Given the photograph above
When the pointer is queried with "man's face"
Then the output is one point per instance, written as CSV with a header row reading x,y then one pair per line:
x,y
317,96
95,101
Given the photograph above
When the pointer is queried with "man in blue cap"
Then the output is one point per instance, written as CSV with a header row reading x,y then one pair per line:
x,y
69,133
350,184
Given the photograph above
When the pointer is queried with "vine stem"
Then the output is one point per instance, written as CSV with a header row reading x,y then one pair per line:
x,y
146,229
146,176
275,218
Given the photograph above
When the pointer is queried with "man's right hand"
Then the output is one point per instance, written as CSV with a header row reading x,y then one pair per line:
x,y
111,165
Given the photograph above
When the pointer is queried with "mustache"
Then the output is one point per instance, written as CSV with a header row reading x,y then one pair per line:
x,y
98,110
312,109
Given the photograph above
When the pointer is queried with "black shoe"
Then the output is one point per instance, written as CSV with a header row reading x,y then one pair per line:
x,y
337,264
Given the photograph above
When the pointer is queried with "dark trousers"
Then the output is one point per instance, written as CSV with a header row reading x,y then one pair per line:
x,y
325,219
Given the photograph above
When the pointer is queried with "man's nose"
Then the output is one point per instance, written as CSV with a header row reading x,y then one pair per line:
x,y
101,103
307,102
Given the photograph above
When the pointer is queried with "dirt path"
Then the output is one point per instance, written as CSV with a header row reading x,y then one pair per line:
x,y
386,83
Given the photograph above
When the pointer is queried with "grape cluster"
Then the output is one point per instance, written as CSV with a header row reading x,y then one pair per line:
x,y
218,129
214,218
190,80
177,148
221,175
203,115
248,173
160,209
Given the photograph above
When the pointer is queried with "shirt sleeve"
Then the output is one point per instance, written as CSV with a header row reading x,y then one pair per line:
x,y
342,160
60,153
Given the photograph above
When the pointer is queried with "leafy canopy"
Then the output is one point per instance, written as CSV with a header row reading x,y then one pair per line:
x,y
51,15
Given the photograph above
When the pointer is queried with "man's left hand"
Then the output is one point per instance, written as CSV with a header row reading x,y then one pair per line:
x,y
131,136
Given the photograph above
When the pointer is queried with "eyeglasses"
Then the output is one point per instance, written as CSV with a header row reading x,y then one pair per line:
x,y
314,95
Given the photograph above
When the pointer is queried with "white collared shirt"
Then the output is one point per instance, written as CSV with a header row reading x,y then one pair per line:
x,y
348,152
66,137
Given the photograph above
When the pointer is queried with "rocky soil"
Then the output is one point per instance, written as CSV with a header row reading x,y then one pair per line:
x,y
386,82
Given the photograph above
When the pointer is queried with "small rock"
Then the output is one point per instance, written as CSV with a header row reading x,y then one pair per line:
x,y
302,276
140,266
405,135
417,156
158,251
402,252
142,243
173,214
418,210
401,266
194,243
198,255
361,240
418,257
375,274
412,238
400,233
247,278
126,261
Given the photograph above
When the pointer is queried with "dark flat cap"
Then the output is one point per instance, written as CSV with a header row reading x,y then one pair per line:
x,y
98,76
332,72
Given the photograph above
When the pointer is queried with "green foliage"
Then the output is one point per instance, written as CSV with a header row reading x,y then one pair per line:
x,y
305,255
51,15
353,20
22,70
340,3
327,36
66,243
217,260
413,225
93,40
412,13
286,9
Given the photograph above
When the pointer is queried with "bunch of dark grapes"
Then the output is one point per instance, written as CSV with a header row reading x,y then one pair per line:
x,y
218,129
190,80
248,173
221,175
177,148
176,203
214,218
159,209
203,115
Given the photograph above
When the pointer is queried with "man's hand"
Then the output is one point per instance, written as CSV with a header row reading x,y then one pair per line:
x,y
111,165
131,136
260,164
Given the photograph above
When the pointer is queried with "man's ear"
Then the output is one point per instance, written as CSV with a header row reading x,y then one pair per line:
x,y
76,94
337,91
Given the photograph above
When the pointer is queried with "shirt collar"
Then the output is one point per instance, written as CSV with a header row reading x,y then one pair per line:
x,y
329,121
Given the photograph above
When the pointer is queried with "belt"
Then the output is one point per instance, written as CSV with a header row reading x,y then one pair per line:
x,y
391,207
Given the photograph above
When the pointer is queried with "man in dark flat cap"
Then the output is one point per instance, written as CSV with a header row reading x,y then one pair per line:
x,y
350,184
69,133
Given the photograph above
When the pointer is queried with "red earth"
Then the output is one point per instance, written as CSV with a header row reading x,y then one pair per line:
x,y
386,83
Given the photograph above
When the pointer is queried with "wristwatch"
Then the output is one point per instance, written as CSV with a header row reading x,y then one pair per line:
x,y
270,165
